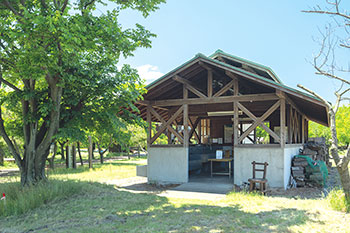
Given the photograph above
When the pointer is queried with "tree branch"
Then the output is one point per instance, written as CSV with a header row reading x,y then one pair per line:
x,y
346,158
64,6
10,85
315,94
10,7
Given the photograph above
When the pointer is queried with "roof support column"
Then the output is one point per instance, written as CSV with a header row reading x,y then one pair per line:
x,y
210,83
235,113
283,122
185,117
302,129
149,123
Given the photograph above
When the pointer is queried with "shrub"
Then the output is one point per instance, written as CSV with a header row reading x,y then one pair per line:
x,y
22,199
337,201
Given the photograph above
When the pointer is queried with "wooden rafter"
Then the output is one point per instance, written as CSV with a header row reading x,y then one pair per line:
x,y
224,89
189,86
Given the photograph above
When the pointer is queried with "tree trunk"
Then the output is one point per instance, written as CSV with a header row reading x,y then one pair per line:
x,y
2,155
67,154
79,152
93,149
101,152
345,181
33,170
74,156
62,150
52,159
341,164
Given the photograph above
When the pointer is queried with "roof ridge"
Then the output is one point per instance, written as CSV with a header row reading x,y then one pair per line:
x,y
257,65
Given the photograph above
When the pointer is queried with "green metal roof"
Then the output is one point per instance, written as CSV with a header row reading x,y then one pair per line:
x,y
247,62
202,56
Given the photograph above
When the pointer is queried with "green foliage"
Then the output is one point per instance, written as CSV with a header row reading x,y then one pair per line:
x,y
262,136
22,199
343,127
337,201
59,59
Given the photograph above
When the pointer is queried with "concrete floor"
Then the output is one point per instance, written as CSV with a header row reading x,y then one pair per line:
x,y
202,187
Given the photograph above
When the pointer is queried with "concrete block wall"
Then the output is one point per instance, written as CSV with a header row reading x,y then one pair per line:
x,y
167,165
243,168
289,152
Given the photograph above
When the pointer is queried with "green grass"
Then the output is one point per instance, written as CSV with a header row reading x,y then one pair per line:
x,y
20,200
98,207
337,201
8,165
99,173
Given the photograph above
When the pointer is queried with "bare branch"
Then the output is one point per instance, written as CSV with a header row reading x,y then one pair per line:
x,y
315,94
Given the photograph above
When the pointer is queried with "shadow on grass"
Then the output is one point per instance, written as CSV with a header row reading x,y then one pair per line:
x,y
85,168
100,207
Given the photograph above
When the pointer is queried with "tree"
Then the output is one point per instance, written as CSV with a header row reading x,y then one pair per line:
x,y
43,44
334,40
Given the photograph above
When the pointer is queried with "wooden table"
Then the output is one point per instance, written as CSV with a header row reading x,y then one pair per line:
x,y
228,160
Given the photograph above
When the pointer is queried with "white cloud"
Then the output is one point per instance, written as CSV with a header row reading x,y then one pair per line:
x,y
149,72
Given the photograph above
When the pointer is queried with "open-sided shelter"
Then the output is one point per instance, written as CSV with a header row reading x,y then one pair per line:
x,y
223,102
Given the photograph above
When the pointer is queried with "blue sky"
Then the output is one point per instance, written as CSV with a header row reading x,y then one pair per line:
x,y
274,33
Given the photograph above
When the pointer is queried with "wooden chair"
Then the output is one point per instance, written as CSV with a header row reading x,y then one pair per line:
x,y
262,181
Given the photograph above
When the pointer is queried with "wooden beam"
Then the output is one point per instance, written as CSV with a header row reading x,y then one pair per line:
x,y
291,102
159,117
149,123
235,123
283,122
259,121
162,129
193,128
213,100
302,129
185,123
210,83
189,86
224,89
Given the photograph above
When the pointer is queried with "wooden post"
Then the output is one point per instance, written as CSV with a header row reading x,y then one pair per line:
x,y
185,118
149,129
283,122
290,127
168,131
74,156
210,83
90,152
200,131
235,113
302,129
69,156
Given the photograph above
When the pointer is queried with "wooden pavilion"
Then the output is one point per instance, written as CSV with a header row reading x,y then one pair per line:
x,y
223,102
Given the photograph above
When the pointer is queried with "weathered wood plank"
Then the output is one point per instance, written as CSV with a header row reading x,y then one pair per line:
x,y
283,122
213,100
259,121
224,89
210,83
189,86
162,129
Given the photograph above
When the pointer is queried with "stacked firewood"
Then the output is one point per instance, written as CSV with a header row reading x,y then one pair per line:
x,y
307,172
298,171
317,149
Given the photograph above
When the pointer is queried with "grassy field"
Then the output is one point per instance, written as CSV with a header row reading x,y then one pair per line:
x,y
99,207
